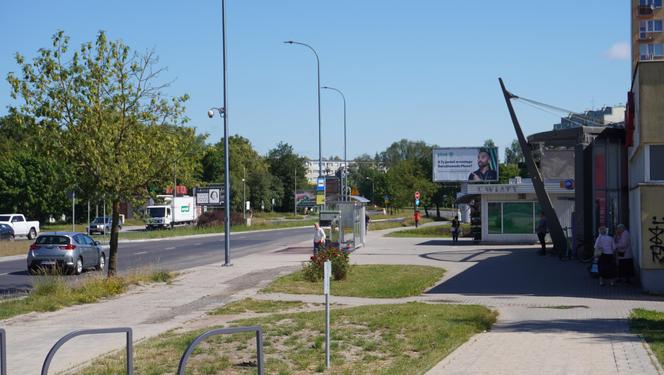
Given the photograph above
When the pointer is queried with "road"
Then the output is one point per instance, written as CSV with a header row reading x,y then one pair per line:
x,y
169,254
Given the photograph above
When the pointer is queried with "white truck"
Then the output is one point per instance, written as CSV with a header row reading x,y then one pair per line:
x,y
21,226
160,216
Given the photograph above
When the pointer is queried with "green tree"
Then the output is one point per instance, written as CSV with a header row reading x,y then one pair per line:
x,y
112,120
285,165
513,154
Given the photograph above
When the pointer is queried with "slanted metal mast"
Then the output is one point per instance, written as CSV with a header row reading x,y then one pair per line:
x,y
555,229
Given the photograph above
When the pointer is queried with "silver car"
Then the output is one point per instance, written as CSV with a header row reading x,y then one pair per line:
x,y
68,251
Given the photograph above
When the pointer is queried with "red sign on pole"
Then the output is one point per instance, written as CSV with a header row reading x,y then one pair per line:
x,y
417,195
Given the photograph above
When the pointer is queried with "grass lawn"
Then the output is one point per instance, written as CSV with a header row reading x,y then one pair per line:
x,y
431,231
256,306
408,222
51,293
17,247
386,339
375,281
650,325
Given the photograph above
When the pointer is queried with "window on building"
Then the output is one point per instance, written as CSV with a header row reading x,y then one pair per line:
x,y
649,26
512,217
652,3
656,162
495,218
518,218
651,50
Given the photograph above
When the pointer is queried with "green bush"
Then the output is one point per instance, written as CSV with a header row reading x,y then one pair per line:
x,y
313,269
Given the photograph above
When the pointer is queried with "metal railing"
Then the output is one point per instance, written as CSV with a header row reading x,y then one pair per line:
x,y
62,341
3,352
223,331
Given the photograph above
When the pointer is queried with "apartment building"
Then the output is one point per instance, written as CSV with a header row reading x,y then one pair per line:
x,y
647,35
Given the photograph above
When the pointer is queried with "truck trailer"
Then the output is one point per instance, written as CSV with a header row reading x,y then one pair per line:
x,y
161,216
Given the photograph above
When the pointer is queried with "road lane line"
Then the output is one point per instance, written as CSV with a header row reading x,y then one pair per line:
x,y
169,248
141,253
4,274
198,244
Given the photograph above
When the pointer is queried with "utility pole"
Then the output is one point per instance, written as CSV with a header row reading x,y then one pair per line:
x,y
244,195
295,194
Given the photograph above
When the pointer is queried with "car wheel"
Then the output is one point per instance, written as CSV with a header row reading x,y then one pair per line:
x,y
102,262
78,267
32,234
12,237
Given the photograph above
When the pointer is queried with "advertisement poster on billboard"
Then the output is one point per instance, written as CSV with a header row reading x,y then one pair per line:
x,y
305,198
473,164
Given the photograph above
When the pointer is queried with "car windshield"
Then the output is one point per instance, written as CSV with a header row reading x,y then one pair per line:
x,y
100,220
4,217
156,212
52,240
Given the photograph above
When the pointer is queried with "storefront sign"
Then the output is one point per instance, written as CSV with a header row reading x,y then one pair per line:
x,y
496,189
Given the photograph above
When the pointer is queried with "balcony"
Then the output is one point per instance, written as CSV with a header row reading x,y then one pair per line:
x,y
646,36
650,57
646,10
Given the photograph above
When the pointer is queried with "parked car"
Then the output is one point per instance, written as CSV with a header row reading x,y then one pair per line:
x,y
20,225
102,225
6,232
71,252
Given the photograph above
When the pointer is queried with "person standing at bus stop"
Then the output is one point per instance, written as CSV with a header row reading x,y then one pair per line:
x,y
455,229
319,238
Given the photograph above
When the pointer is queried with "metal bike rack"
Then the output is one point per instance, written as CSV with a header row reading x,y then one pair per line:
x,y
223,331
62,341
3,352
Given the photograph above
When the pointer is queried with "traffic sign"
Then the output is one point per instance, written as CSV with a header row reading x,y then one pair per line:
x,y
417,195
417,202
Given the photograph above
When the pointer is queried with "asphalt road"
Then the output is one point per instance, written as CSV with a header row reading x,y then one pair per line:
x,y
169,254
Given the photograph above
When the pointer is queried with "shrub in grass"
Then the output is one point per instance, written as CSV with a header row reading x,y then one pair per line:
x,y
313,269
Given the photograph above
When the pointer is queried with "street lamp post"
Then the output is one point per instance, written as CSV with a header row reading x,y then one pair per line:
x,y
345,175
244,195
320,137
223,112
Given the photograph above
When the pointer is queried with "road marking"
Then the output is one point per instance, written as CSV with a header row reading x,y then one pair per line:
x,y
198,244
141,253
169,248
4,274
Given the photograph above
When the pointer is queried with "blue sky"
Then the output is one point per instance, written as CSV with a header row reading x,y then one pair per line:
x,y
421,69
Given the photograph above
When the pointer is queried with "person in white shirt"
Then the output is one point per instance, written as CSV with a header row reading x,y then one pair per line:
x,y
624,251
604,250
319,238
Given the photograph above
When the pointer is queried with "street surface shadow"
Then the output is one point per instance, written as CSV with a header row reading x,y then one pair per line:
x,y
505,272
593,326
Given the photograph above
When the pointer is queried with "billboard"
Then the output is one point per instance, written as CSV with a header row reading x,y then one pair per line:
x,y
473,164
305,198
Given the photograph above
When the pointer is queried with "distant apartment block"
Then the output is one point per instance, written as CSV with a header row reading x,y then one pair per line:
x,y
647,36
330,167
600,117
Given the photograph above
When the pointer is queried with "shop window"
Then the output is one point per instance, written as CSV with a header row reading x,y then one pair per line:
x,y
495,215
518,218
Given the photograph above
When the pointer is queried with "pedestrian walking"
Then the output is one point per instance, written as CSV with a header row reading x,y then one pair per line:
x,y
319,238
455,229
605,251
367,219
541,230
623,247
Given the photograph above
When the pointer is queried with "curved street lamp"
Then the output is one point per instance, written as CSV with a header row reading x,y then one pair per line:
x,y
320,137
345,175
